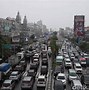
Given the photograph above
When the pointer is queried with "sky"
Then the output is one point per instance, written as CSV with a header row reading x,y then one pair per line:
x,y
54,13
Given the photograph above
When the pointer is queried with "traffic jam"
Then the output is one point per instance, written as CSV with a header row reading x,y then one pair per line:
x,y
72,68
32,68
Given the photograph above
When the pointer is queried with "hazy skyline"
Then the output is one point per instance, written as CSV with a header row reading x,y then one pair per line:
x,y
53,13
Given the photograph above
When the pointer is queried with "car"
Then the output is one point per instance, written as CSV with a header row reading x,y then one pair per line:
x,y
36,56
76,85
72,57
78,68
57,70
44,70
58,85
85,55
75,61
8,85
41,81
76,54
31,73
72,75
82,61
34,66
68,63
19,68
44,53
66,56
62,77
59,59
36,60
23,64
45,61
15,75
27,83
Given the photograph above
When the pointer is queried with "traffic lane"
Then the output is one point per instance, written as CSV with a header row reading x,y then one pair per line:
x,y
18,85
38,72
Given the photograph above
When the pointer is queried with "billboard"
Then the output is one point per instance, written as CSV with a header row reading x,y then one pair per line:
x,y
79,25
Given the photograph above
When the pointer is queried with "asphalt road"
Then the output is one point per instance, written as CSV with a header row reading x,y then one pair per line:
x,y
18,85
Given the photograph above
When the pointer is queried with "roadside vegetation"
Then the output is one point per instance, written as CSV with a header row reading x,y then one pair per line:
x,y
54,48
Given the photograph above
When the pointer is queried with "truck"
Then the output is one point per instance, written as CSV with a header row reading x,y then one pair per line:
x,y
4,71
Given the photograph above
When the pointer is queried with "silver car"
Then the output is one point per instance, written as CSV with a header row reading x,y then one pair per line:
x,y
8,85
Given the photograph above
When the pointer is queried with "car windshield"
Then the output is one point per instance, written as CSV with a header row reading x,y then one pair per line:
x,y
6,84
13,74
61,77
68,61
26,82
78,66
72,74
40,79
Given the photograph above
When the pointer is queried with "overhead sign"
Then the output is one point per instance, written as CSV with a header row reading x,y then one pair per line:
x,y
79,25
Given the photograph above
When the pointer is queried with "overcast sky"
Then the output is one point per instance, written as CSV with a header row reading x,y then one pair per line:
x,y
53,13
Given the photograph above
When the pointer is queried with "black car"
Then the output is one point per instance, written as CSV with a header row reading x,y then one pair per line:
x,y
34,66
58,69
44,70
58,85
31,73
45,61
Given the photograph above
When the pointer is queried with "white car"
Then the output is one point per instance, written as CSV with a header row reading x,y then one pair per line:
x,y
78,68
8,85
68,63
62,77
41,81
15,75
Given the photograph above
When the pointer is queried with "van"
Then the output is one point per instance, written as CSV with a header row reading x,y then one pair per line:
x,y
59,59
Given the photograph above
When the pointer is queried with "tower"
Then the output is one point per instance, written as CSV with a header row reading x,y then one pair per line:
x,y
25,22
18,18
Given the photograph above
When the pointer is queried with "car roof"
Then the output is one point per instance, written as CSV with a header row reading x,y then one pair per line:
x,y
77,64
72,70
67,59
41,76
8,81
59,57
61,74
77,82
36,59
27,78
14,72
